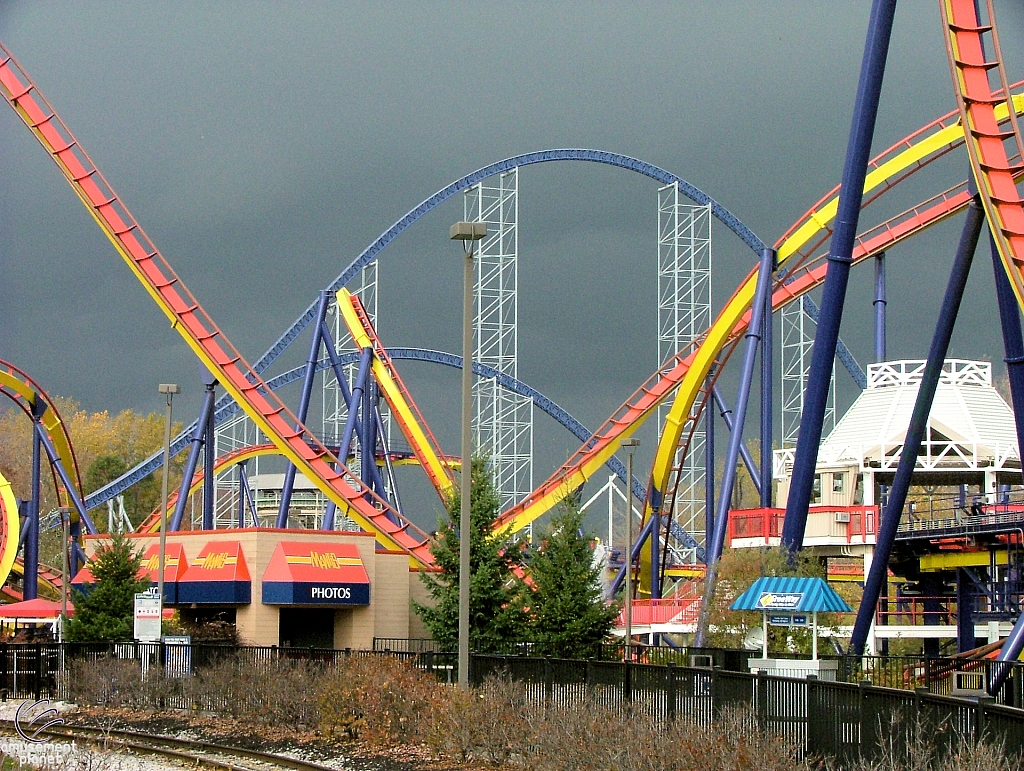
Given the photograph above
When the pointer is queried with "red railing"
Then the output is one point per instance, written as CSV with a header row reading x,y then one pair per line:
x,y
764,524
680,610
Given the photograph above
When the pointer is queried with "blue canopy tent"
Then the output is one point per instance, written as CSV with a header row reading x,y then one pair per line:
x,y
791,597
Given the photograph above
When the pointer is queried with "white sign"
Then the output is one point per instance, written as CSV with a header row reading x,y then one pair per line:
x,y
148,612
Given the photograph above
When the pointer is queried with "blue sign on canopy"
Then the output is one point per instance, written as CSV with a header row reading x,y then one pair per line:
x,y
791,594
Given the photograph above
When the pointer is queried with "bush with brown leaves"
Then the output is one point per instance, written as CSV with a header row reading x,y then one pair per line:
x,y
376,698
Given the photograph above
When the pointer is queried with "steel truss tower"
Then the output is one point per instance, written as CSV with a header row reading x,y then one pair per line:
x,y
797,341
684,311
503,421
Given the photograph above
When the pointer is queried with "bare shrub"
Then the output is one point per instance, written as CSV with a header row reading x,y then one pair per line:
x,y
492,723
273,692
107,682
377,698
911,745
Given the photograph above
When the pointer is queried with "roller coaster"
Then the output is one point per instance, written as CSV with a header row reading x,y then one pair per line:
x,y
354,470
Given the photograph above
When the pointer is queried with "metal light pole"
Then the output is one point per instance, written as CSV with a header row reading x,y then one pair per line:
x,y
630,446
468,233
65,527
168,390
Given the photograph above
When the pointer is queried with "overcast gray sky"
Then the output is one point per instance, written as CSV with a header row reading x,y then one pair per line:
x,y
264,145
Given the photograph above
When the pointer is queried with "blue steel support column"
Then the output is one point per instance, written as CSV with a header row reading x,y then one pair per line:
x,y
851,194
709,470
655,555
630,559
762,295
964,612
31,554
65,478
198,439
307,389
748,459
241,494
350,424
1013,349
368,436
767,360
918,424
931,587
880,303
209,456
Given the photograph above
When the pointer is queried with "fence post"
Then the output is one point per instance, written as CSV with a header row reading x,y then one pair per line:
x,y
548,680
627,682
588,677
981,718
762,700
716,696
39,672
670,690
8,689
862,697
1018,687
815,746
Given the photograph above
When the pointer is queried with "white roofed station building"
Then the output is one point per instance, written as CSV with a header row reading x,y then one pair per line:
x,y
965,492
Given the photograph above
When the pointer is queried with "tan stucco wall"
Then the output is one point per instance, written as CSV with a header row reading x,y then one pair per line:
x,y
389,613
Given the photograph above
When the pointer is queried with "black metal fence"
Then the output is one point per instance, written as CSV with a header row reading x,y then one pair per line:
x,y
824,718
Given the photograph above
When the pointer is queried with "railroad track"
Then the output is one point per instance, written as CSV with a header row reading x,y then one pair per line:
x,y
216,756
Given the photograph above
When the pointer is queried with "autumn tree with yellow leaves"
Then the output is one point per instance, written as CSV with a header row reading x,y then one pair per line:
x,y
106,446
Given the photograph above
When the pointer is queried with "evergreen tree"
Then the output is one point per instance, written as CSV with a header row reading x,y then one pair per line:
x,y
496,617
106,612
568,616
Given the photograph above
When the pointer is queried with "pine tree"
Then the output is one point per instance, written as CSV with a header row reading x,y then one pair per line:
x,y
496,617
106,612
568,616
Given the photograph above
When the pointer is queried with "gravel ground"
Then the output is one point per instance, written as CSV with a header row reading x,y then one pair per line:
x,y
295,742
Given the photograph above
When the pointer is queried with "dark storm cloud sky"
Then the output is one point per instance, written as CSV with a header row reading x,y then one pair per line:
x,y
263,146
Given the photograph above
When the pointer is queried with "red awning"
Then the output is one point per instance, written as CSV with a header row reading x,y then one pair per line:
x,y
38,608
175,563
316,573
218,576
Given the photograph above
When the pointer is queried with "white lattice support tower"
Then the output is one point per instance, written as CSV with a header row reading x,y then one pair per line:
x,y
797,341
503,421
684,312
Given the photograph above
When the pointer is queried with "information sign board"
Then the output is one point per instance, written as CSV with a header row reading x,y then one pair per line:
x,y
147,616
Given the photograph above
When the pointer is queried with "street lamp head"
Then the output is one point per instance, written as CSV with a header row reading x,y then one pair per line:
x,y
170,388
630,443
468,231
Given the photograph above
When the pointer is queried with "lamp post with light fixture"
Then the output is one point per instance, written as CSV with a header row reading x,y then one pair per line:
x,y
468,233
630,446
168,390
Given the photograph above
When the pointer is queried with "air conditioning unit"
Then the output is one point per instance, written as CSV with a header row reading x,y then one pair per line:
x,y
843,516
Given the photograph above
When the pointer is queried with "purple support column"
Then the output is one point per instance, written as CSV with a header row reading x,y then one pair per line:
x,y
880,303
309,377
350,424
918,425
823,354
709,469
209,456
243,484
65,478
31,554
762,295
767,360
1013,349
198,438
748,459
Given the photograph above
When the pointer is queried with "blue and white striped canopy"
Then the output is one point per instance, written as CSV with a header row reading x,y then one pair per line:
x,y
791,594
